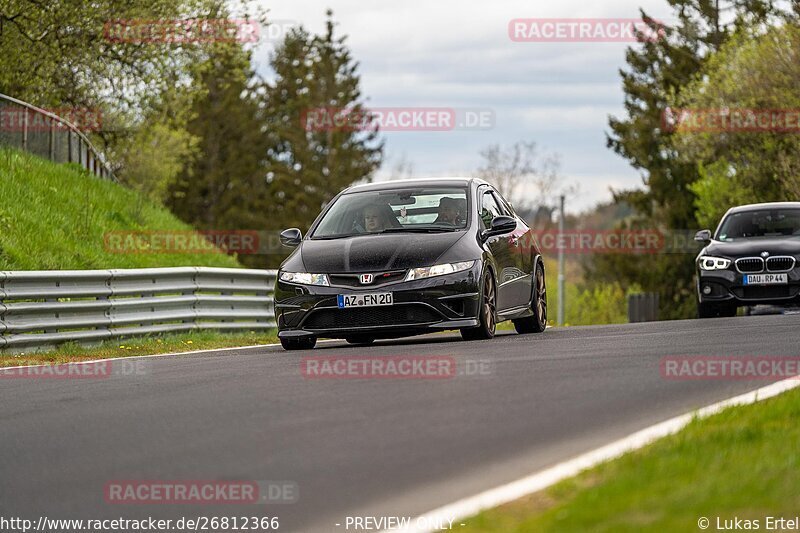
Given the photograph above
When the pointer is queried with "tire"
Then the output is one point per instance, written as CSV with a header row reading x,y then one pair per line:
x,y
360,340
709,310
537,322
487,311
301,343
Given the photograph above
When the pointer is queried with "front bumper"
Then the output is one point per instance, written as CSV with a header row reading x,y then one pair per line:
x,y
728,287
437,303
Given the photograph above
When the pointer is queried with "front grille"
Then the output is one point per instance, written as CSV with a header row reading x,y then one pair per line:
x,y
396,315
766,292
750,264
780,263
379,278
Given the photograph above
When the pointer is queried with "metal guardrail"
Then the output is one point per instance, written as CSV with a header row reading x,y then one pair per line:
x,y
41,309
53,138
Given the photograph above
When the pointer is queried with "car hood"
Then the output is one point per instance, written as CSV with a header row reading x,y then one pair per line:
x,y
754,247
372,253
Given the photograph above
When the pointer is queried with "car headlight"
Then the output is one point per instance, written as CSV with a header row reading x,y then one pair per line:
x,y
438,270
709,262
305,279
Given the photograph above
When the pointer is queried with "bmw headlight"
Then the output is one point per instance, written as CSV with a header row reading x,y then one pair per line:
x,y
305,279
709,262
438,270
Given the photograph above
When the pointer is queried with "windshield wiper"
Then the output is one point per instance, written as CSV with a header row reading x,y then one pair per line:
x,y
332,237
428,229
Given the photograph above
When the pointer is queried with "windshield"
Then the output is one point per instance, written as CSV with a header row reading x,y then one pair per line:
x,y
760,223
425,209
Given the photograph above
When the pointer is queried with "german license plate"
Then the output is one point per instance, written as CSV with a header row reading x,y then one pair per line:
x,y
364,300
766,279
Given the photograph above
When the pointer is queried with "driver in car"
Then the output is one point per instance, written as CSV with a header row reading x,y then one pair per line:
x,y
449,211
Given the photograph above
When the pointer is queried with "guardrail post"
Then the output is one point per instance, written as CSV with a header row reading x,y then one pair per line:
x,y
195,293
643,307
25,130
52,300
52,140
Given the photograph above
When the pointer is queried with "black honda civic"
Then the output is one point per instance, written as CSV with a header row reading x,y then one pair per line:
x,y
751,259
401,258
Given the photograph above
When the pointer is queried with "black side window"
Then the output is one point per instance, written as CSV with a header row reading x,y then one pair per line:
x,y
504,209
489,208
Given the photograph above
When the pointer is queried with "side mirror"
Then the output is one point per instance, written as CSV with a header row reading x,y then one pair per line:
x,y
704,236
499,226
291,237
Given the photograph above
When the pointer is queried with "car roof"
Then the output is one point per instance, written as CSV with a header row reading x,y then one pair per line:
x,y
416,182
767,205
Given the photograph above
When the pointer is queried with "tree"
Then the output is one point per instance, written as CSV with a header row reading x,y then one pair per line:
x,y
658,70
526,178
751,73
308,165
223,186
58,53
152,158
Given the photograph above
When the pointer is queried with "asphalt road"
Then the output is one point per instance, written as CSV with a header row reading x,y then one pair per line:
x,y
356,447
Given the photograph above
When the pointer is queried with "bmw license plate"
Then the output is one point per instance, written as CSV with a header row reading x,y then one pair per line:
x,y
364,300
766,279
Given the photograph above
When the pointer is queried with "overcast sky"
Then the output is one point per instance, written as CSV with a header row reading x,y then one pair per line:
x,y
458,54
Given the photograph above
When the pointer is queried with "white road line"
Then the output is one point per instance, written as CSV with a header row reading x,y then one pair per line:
x,y
472,505
2,368
140,356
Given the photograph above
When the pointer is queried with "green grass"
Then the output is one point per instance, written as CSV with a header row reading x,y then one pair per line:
x,y
606,304
55,217
184,342
743,462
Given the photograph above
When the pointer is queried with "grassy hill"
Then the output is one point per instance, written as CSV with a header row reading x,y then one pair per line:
x,y
56,217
